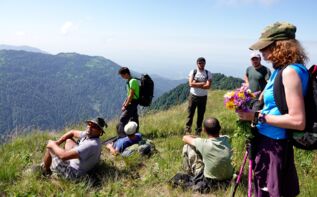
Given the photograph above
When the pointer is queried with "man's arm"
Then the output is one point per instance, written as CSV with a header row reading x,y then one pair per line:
x,y
207,84
70,134
189,139
128,100
246,80
112,150
53,147
192,83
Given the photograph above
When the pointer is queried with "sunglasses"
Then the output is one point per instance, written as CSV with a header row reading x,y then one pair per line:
x,y
92,125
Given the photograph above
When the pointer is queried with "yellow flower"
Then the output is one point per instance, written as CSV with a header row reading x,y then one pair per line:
x,y
230,105
241,95
229,94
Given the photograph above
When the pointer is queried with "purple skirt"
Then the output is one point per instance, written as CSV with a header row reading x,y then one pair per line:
x,y
274,171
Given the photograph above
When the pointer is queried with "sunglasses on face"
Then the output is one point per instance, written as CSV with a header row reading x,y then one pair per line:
x,y
93,126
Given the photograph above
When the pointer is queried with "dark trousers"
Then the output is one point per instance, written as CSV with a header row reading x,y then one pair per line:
x,y
130,114
275,168
194,102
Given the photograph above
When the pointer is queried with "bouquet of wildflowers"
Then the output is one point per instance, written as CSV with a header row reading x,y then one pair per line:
x,y
240,100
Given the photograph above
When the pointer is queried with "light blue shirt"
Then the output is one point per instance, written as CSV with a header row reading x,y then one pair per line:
x,y
270,105
123,143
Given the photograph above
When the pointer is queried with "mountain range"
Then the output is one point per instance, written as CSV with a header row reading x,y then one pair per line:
x,y
44,91
21,48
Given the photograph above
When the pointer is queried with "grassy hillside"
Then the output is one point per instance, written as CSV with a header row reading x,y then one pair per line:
x,y
134,176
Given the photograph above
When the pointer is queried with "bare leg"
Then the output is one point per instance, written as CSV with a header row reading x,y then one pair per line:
x,y
70,143
47,160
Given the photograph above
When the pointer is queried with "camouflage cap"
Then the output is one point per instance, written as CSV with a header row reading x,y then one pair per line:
x,y
276,31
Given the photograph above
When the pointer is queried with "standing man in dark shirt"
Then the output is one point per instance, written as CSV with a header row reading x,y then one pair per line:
x,y
256,75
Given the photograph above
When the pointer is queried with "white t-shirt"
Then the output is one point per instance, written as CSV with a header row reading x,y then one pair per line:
x,y
89,150
200,76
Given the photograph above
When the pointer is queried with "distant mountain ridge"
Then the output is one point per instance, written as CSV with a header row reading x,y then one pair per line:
x,y
21,48
51,91
180,93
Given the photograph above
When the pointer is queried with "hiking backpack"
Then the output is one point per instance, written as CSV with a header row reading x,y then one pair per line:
x,y
306,139
145,147
146,90
195,72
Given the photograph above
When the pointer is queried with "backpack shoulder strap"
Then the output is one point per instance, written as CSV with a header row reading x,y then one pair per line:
x,y
206,74
194,73
279,93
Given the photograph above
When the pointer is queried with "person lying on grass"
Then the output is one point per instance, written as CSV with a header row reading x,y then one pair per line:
x,y
122,143
77,158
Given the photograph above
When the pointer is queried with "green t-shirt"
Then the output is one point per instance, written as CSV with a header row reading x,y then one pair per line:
x,y
216,154
258,77
134,84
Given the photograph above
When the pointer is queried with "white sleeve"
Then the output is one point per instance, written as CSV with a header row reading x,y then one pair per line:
x,y
209,75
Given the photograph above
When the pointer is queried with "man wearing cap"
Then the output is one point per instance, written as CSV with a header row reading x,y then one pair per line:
x,y
122,143
199,81
130,105
256,75
77,158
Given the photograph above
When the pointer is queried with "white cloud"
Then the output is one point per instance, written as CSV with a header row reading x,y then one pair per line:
x,y
68,27
20,33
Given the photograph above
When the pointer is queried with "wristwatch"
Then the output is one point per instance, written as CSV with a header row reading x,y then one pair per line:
x,y
261,118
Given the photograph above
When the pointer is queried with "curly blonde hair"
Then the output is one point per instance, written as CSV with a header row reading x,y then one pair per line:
x,y
286,52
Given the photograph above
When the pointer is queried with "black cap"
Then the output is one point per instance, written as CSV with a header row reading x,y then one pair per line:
x,y
201,59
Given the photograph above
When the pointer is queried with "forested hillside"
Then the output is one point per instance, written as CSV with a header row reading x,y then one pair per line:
x,y
180,93
50,91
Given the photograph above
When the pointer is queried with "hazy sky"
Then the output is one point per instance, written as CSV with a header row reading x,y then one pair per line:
x,y
156,36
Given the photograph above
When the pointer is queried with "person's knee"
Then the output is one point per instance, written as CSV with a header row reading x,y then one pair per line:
x,y
69,141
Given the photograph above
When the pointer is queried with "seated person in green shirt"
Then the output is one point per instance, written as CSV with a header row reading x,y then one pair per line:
x,y
207,161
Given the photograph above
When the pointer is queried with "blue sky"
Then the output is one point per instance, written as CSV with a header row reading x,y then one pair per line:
x,y
156,36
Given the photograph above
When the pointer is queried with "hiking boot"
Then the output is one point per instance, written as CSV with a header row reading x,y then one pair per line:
x,y
187,130
198,132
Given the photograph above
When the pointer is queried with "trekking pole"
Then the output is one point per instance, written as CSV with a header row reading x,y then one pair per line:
x,y
250,177
240,174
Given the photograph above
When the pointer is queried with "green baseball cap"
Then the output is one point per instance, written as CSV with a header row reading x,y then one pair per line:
x,y
276,31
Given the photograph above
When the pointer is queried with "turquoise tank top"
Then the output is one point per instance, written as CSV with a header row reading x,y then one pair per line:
x,y
270,105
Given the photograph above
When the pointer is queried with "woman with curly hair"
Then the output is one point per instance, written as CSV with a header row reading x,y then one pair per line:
x,y
274,171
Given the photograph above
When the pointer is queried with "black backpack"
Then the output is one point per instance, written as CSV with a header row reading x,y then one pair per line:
x,y
195,72
306,139
146,90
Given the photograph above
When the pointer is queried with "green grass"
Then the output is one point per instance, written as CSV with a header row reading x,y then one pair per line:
x,y
135,176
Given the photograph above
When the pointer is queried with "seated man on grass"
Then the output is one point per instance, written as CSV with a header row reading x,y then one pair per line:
x,y
207,161
77,158
122,143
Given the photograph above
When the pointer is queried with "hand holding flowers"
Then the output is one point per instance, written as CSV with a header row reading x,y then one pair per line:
x,y
241,100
